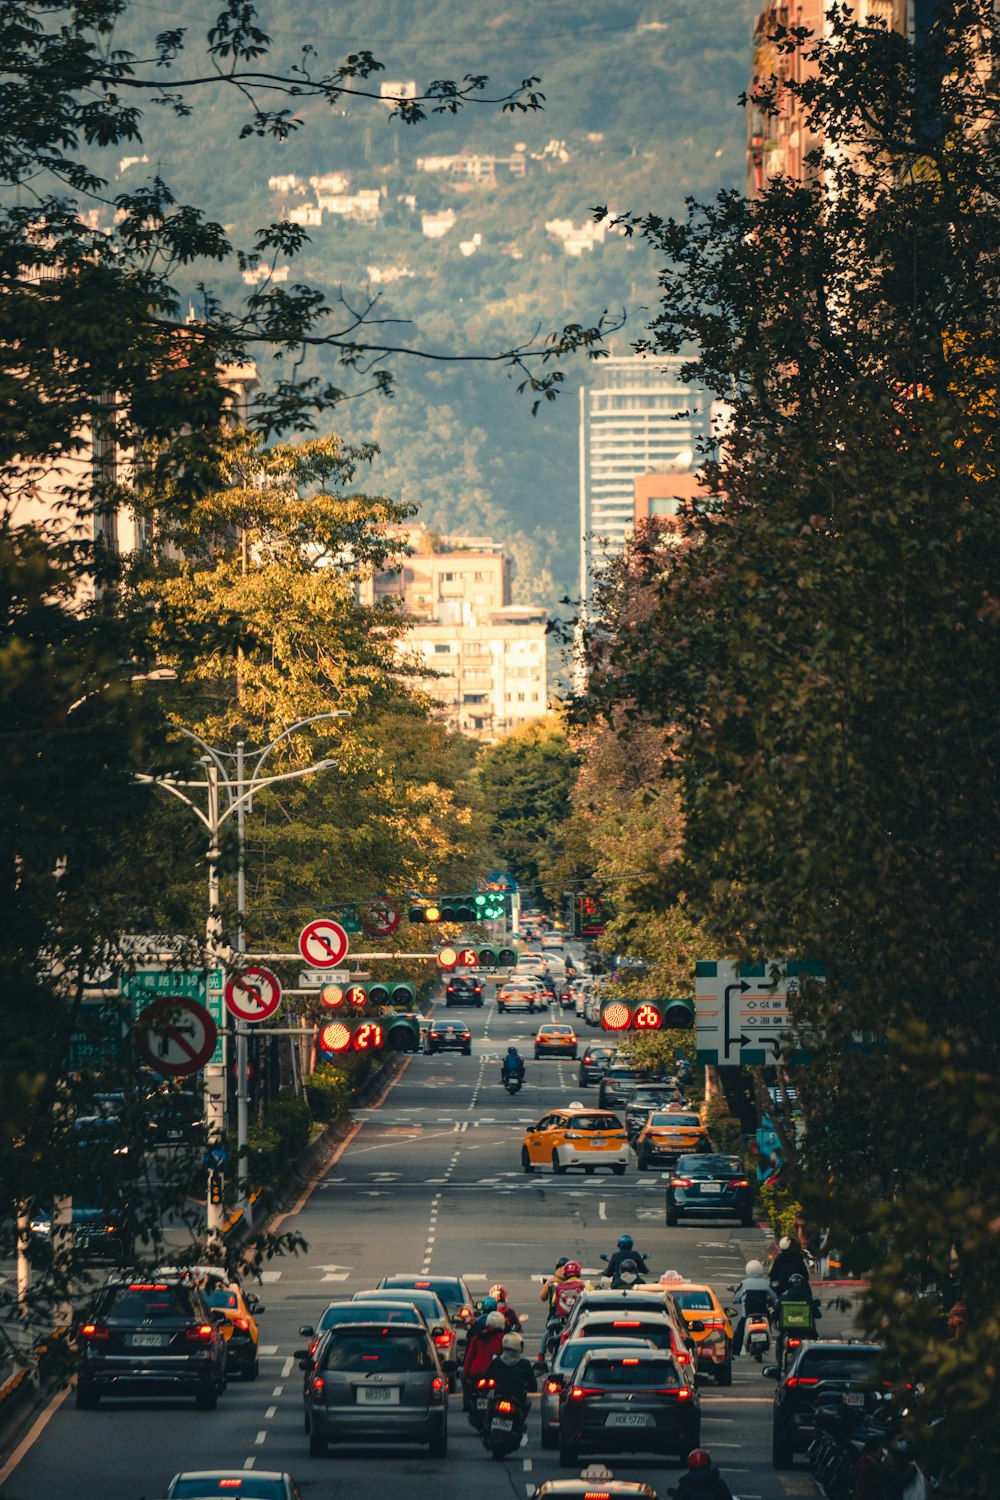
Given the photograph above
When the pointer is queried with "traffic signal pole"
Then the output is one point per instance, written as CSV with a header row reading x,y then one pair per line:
x,y
242,1046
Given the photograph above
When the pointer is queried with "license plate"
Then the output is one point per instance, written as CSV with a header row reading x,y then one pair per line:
x,y
711,1187
853,1398
501,1424
629,1419
147,1341
378,1395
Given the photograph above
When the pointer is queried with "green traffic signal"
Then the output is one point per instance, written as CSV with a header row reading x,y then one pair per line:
x,y
402,1032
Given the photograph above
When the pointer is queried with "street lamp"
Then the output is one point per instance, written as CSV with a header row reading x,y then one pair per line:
x,y
239,790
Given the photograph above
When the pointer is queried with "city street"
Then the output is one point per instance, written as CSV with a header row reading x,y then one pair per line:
x,y
430,1181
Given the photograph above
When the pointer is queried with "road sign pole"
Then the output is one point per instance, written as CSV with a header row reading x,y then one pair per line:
x,y
242,1049
214,1075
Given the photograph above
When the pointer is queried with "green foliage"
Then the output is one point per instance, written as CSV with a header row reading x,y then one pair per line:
x,y
278,1145
779,1207
724,1129
657,1049
524,783
327,1093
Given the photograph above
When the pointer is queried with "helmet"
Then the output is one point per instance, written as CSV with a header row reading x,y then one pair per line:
x,y
499,1292
489,1304
699,1458
571,1268
796,1280
754,1268
784,1243
494,1321
625,1242
513,1341
512,1048
628,1268
561,1262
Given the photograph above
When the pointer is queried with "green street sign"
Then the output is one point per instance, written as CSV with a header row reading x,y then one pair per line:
x,y
144,986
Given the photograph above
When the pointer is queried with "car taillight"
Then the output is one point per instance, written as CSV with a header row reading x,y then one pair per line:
x,y
579,1391
437,1388
202,1333
794,1380
443,1339
553,1387
505,1406
682,1357
597,1495
464,1314
94,1331
740,1182
793,1343
626,1323
312,1346
243,1323
680,1391
684,1182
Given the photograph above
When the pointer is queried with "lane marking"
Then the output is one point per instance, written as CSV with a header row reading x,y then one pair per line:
x,y
269,1276
286,1368
268,1349
277,1390
260,1438
33,1434
270,1413
602,1210
248,1463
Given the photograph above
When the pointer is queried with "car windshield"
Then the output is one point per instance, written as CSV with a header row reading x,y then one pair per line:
x,y
557,1030
652,1096
594,1122
426,1302
447,1288
142,1302
634,1328
694,1301
355,1312
832,1364
710,1166
223,1299
247,1486
376,1351
630,1370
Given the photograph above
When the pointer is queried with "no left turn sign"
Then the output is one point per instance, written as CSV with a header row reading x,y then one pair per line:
x,y
175,1036
323,943
253,994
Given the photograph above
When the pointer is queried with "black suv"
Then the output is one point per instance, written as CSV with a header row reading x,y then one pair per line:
x,y
157,1337
463,991
821,1366
647,1098
619,1083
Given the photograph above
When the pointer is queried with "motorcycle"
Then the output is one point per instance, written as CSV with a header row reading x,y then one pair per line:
x,y
622,1282
756,1332
503,1426
512,1082
843,1420
477,1402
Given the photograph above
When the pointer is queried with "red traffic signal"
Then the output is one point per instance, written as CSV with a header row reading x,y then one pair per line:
x,y
332,996
335,1037
447,958
616,1015
647,1016
352,1036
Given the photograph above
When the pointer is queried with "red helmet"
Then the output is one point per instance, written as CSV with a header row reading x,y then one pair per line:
x,y
499,1292
571,1268
699,1458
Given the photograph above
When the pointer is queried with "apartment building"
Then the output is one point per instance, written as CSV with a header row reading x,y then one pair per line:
x,y
486,658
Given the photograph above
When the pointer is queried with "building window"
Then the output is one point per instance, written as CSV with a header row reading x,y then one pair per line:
x,y
474,698
440,650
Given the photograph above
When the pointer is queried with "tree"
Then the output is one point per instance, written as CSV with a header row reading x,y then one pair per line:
x,y
525,782
824,646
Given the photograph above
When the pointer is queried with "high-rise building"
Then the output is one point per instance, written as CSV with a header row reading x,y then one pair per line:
x,y
638,417
488,656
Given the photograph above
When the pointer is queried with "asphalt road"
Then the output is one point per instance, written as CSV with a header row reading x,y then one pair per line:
x,y
431,1181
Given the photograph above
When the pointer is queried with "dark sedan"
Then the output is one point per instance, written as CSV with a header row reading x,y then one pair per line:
x,y
464,991
647,1098
239,1484
594,1063
628,1403
709,1184
619,1083
449,1036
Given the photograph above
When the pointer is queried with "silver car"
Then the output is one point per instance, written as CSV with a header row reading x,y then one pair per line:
x,y
376,1383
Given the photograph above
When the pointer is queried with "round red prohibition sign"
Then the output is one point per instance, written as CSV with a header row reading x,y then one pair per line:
x,y
253,993
175,1036
380,918
323,943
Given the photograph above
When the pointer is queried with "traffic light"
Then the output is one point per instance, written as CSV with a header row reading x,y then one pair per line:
x,y
343,997
338,1038
428,913
402,1033
481,906
483,956
392,993
646,1015
215,1187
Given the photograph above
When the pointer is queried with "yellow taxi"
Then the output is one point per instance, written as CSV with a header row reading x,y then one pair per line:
x,y
240,1329
668,1134
576,1137
557,1039
707,1324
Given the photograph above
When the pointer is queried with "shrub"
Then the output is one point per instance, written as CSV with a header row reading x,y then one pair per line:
x,y
780,1209
327,1093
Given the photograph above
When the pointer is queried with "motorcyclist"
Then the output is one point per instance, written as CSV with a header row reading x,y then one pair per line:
x,y
788,1262
627,1275
560,1291
549,1285
488,1305
753,1297
512,1374
480,1350
498,1294
626,1251
702,1481
868,1471
797,1311
512,1063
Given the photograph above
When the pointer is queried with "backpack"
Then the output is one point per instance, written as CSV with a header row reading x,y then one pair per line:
x,y
794,1316
566,1294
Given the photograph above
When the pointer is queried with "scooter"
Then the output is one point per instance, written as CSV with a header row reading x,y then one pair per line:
x,y
512,1082
503,1427
478,1401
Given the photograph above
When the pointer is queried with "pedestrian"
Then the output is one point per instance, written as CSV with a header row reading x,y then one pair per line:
x,y
868,1483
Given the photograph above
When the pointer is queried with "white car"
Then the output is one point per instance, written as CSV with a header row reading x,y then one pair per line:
x,y
552,940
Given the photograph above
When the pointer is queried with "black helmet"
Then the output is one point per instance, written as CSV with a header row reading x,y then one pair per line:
x,y
625,1242
512,1047
628,1267
797,1280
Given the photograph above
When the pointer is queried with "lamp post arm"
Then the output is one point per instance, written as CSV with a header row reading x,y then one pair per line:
x,y
339,713
174,787
255,786
208,749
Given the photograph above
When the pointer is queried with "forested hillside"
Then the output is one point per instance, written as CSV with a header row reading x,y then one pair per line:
x,y
640,111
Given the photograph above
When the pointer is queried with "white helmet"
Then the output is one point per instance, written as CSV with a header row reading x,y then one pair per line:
x,y
784,1243
754,1268
513,1341
494,1320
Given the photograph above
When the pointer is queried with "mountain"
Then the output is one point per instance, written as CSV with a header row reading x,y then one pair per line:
x,y
640,112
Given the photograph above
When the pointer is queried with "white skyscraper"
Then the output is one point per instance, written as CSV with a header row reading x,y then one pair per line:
x,y
637,418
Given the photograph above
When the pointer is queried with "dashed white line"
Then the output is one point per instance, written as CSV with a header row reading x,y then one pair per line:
x,y
248,1463
261,1437
286,1368
602,1210
277,1390
270,1413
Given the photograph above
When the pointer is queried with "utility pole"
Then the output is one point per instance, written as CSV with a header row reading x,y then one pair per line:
x,y
242,1059
215,1073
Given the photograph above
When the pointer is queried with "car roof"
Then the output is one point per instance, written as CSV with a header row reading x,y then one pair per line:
x,y
582,1109
423,1281
577,1489
642,1313
687,1286
231,1474
602,1342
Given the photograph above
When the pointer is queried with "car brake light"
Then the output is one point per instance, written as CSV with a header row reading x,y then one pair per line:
x,y
597,1495
437,1385
682,1357
94,1331
684,1182
626,1323
680,1391
318,1385
579,1391
243,1323
505,1406
148,1286
202,1333
443,1339
630,1361
230,1484
740,1182
553,1387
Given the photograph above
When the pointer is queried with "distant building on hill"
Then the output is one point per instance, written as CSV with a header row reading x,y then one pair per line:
x,y
637,418
490,655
